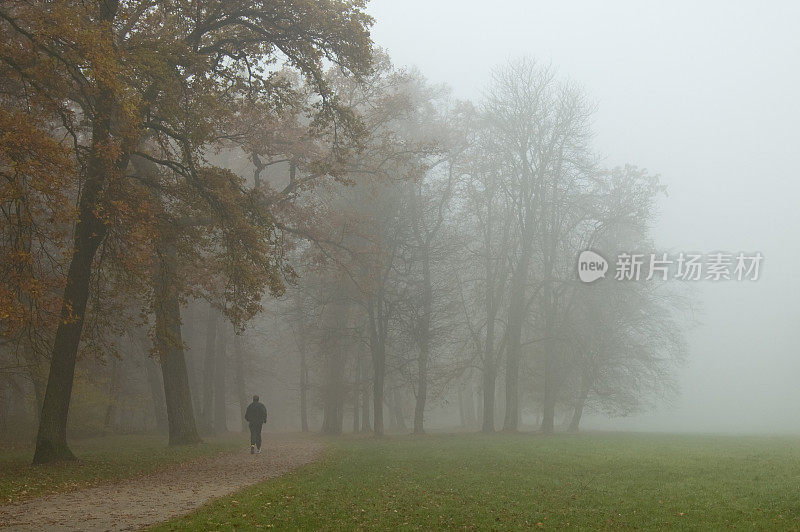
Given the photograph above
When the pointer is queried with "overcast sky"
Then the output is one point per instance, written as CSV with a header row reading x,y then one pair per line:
x,y
704,94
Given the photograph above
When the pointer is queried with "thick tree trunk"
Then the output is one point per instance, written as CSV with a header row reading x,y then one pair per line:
x,y
180,415
220,381
209,366
239,376
178,397
51,439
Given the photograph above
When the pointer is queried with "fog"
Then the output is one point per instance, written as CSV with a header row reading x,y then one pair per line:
x,y
387,222
704,94
399,264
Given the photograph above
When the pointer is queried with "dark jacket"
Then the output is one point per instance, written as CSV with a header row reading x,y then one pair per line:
x,y
256,413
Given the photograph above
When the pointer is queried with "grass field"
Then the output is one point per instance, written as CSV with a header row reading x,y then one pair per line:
x,y
108,458
586,481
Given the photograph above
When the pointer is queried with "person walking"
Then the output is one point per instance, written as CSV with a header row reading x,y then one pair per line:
x,y
256,416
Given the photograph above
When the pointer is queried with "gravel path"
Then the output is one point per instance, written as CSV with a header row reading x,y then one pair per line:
x,y
136,503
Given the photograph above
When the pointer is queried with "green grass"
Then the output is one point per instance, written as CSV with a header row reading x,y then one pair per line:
x,y
587,481
99,459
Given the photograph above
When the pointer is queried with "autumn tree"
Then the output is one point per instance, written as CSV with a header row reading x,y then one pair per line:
x,y
120,78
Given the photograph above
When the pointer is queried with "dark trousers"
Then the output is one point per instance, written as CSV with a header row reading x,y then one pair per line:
x,y
255,434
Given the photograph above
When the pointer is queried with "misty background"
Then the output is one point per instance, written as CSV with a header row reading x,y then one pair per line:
x,y
704,94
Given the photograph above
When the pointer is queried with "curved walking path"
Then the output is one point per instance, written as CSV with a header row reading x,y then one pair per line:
x,y
135,503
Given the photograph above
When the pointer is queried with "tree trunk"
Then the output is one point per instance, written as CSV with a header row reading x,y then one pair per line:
x,y
377,398
514,351
180,415
333,388
239,377
194,368
551,381
209,365
377,327
576,418
178,397
489,359
550,384
425,343
220,381
578,412
51,439
516,319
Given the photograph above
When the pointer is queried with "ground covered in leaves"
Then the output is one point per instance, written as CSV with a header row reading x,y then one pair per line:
x,y
99,459
173,490
586,481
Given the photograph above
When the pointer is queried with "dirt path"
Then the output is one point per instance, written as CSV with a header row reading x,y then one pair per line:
x,y
136,503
